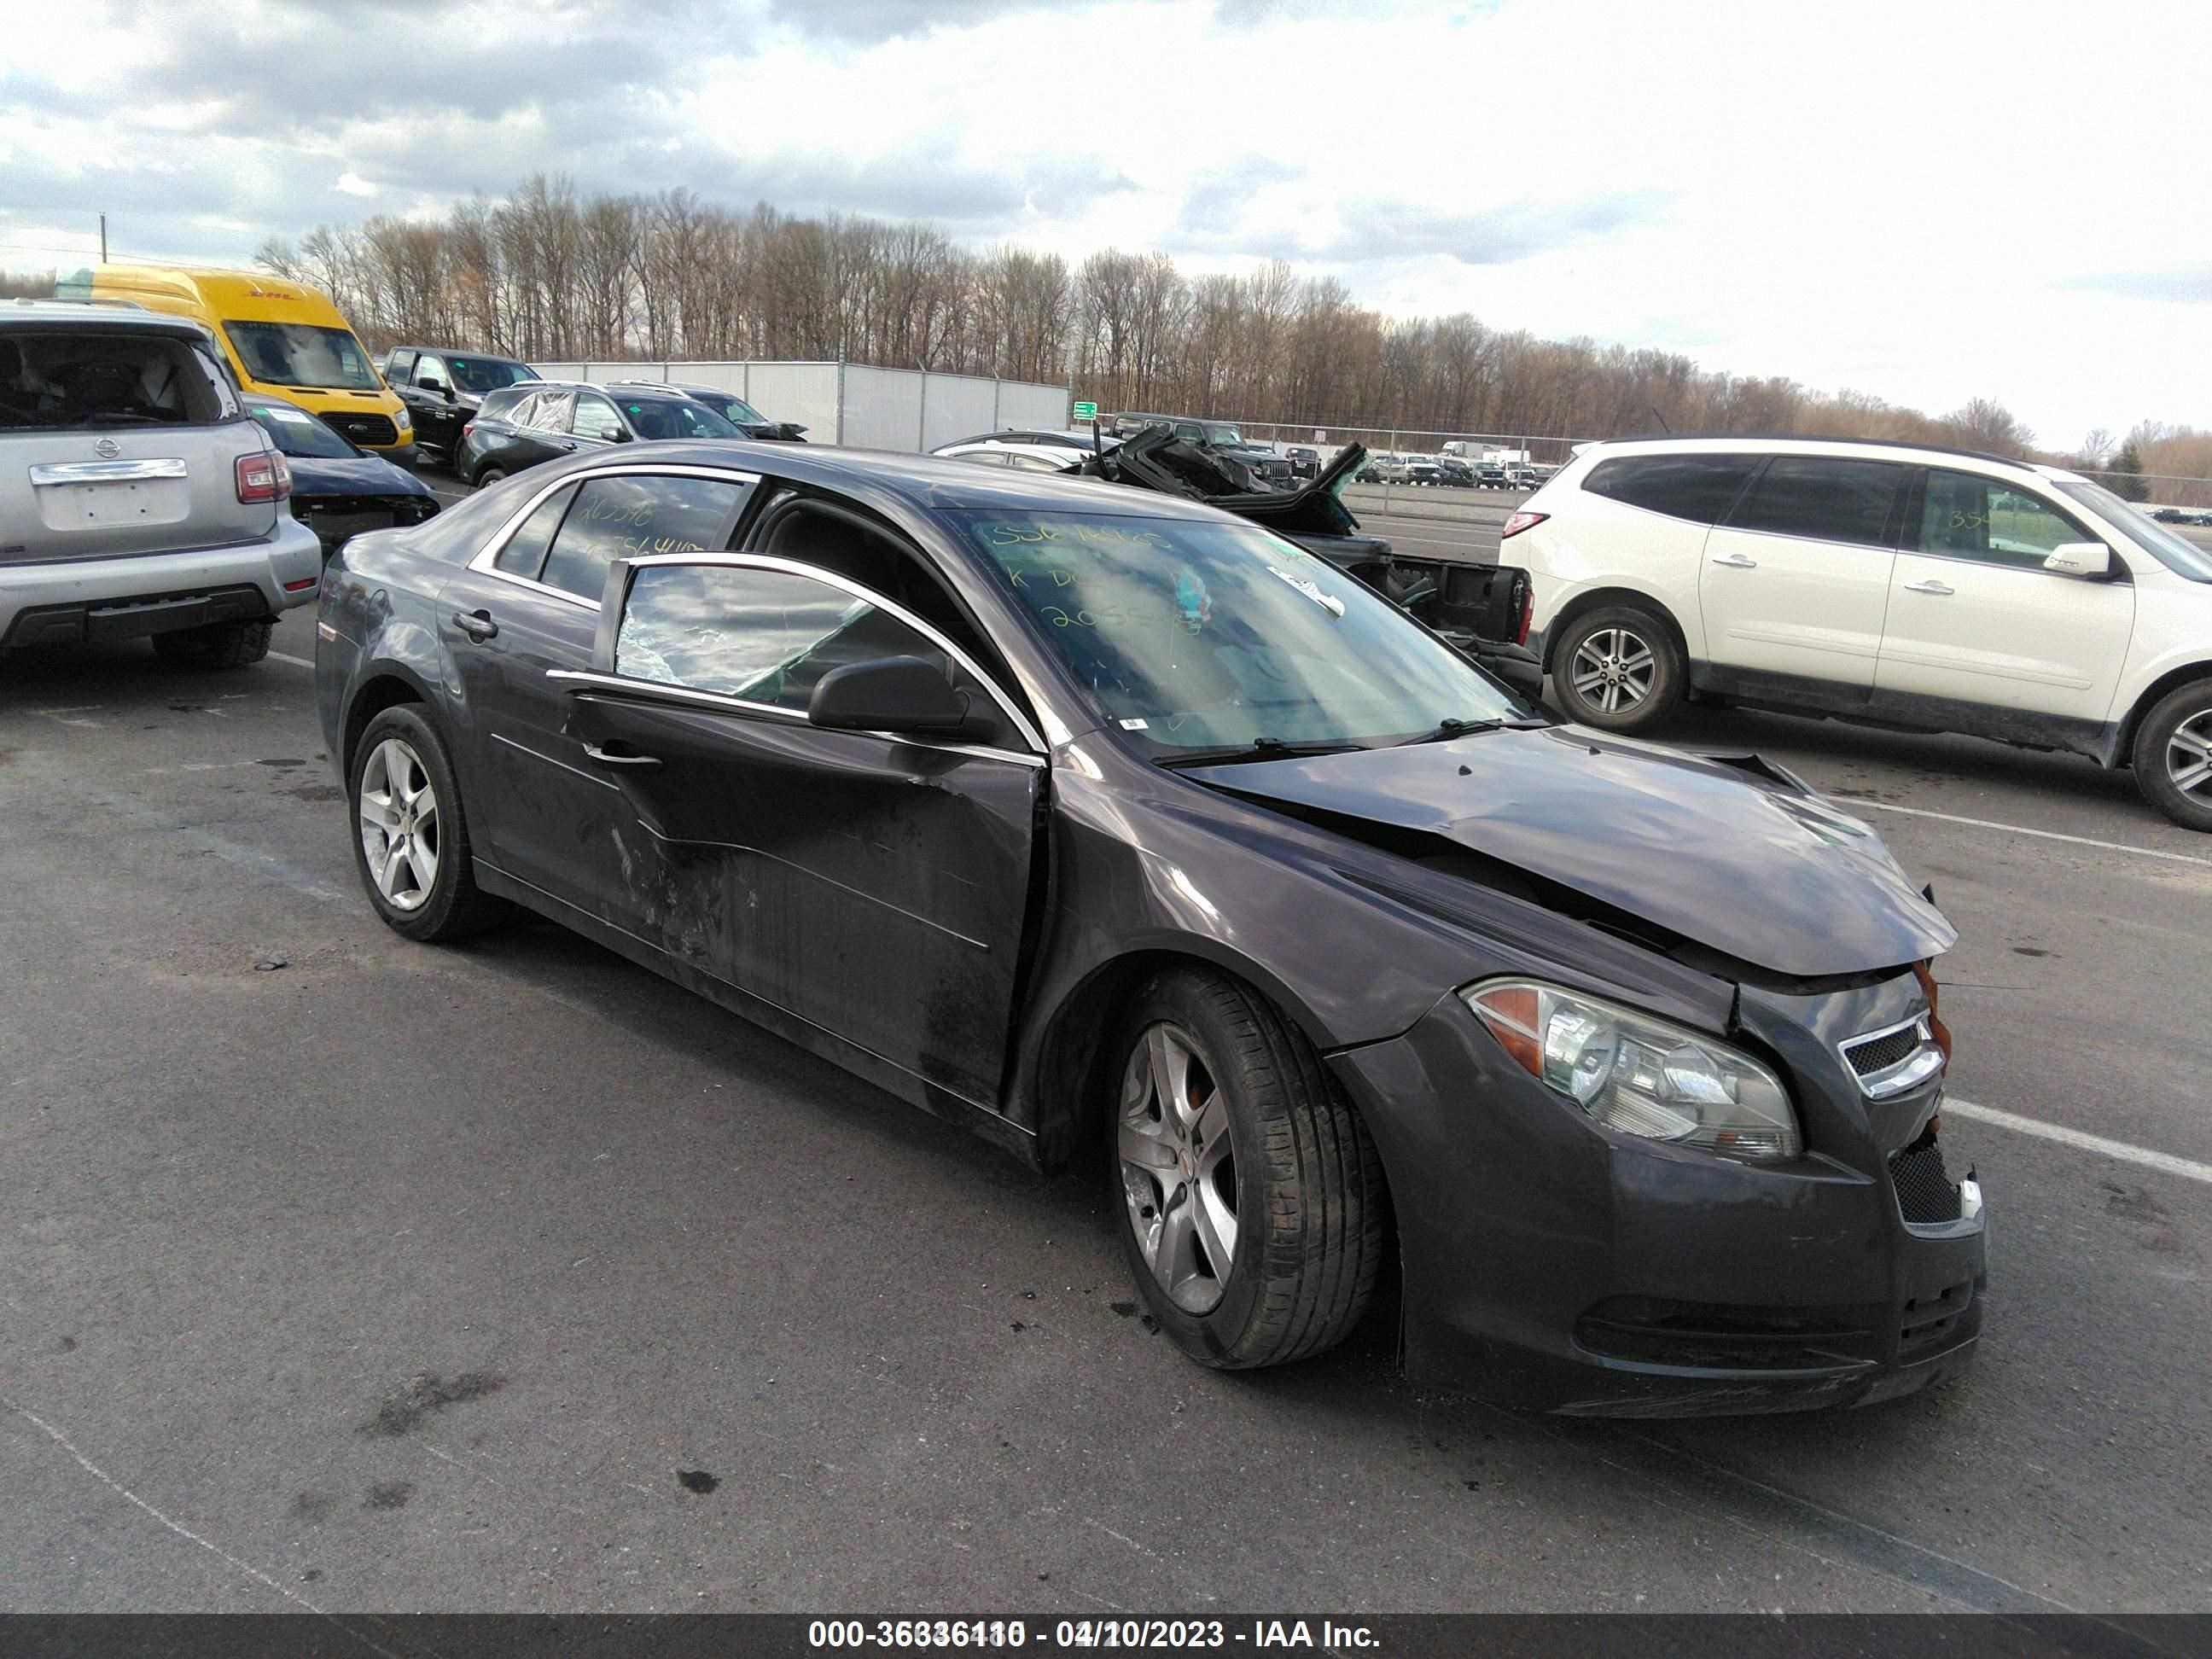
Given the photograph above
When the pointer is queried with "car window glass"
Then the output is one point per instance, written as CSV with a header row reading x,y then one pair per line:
x,y
550,412
634,517
675,417
1965,517
1198,634
400,366
509,406
767,636
595,417
1699,487
525,552
985,456
430,368
1831,500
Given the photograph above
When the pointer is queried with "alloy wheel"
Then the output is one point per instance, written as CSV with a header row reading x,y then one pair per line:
x,y
1613,669
2189,757
399,824
1178,1170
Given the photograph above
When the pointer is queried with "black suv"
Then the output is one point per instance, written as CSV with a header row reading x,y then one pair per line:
x,y
732,408
543,420
443,386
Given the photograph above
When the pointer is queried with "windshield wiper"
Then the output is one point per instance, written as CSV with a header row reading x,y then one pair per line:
x,y
1448,728
1259,749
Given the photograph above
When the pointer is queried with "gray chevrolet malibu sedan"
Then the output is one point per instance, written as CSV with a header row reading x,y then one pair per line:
x,y
1125,832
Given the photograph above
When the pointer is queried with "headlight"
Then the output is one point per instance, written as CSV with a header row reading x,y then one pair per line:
x,y
1641,1075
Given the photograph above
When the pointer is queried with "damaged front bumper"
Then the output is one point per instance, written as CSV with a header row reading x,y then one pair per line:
x,y
1553,1263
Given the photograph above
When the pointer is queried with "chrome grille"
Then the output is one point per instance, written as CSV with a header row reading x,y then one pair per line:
x,y
1878,1054
1895,1059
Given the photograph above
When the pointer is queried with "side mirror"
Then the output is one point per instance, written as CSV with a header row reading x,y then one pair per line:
x,y
434,383
888,694
620,435
2080,559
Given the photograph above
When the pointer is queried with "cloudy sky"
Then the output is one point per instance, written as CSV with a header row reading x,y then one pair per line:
x,y
1929,202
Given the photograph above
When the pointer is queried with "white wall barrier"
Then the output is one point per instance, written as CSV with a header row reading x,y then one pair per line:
x,y
855,403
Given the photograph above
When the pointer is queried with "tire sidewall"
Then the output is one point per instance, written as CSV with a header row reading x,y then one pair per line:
x,y
406,723
1213,1337
2152,778
1666,679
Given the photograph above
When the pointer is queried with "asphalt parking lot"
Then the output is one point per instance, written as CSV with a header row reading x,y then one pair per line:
x,y
347,1273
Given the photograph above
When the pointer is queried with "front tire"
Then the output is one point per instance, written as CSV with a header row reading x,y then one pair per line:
x,y
1617,668
2173,756
411,840
218,645
1250,1195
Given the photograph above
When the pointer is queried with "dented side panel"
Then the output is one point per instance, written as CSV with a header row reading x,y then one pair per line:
x,y
874,888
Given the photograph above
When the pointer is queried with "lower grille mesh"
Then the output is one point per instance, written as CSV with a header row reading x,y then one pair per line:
x,y
1925,1191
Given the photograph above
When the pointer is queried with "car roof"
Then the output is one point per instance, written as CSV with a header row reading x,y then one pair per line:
x,y
685,387
933,483
1793,442
459,351
650,388
75,314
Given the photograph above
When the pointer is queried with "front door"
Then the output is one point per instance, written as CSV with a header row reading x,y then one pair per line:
x,y
431,400
1794,582
1975,618
875,886
546,814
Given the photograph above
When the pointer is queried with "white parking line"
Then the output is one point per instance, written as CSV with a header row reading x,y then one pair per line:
x,y
296,662
2188,1169
2019,829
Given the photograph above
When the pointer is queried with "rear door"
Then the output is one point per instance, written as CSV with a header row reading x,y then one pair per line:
x,y
1975,618
115,442
874,886
1796,581
529,604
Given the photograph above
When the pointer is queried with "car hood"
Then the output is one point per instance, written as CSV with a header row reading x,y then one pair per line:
x,y
1725,851
356,475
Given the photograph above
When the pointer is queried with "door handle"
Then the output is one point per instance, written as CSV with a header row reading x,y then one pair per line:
x,y
1928,588
1735,561
608,757
477,624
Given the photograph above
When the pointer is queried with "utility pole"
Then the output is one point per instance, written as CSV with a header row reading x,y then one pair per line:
x,y
103,239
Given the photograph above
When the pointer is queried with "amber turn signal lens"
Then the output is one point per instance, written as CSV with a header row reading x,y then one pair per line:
x,y
1934,1020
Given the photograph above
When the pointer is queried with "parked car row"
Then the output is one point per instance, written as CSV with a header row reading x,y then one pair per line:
x,y
1446,471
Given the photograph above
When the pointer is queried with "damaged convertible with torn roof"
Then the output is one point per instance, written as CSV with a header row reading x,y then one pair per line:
x,y
1127,831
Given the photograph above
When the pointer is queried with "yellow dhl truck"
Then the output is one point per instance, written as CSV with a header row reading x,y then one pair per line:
x,y
280,337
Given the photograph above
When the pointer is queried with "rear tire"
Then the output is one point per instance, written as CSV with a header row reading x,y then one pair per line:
x,y
218,645
2173,756
1617,668
411,840
1227,1140
485,479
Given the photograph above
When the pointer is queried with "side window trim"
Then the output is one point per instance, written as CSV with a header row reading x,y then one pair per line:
x,y
483,563
620,571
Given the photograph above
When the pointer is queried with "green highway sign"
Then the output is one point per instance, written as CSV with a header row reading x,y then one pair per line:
x,y
1086,411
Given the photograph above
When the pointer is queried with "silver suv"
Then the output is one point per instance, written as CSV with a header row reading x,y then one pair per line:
x,y
138,498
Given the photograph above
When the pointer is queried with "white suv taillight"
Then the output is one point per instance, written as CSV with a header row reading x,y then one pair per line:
x,y
263,478
1519,522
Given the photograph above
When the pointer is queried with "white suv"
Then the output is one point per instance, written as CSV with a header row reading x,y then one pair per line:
x,y
1900,584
